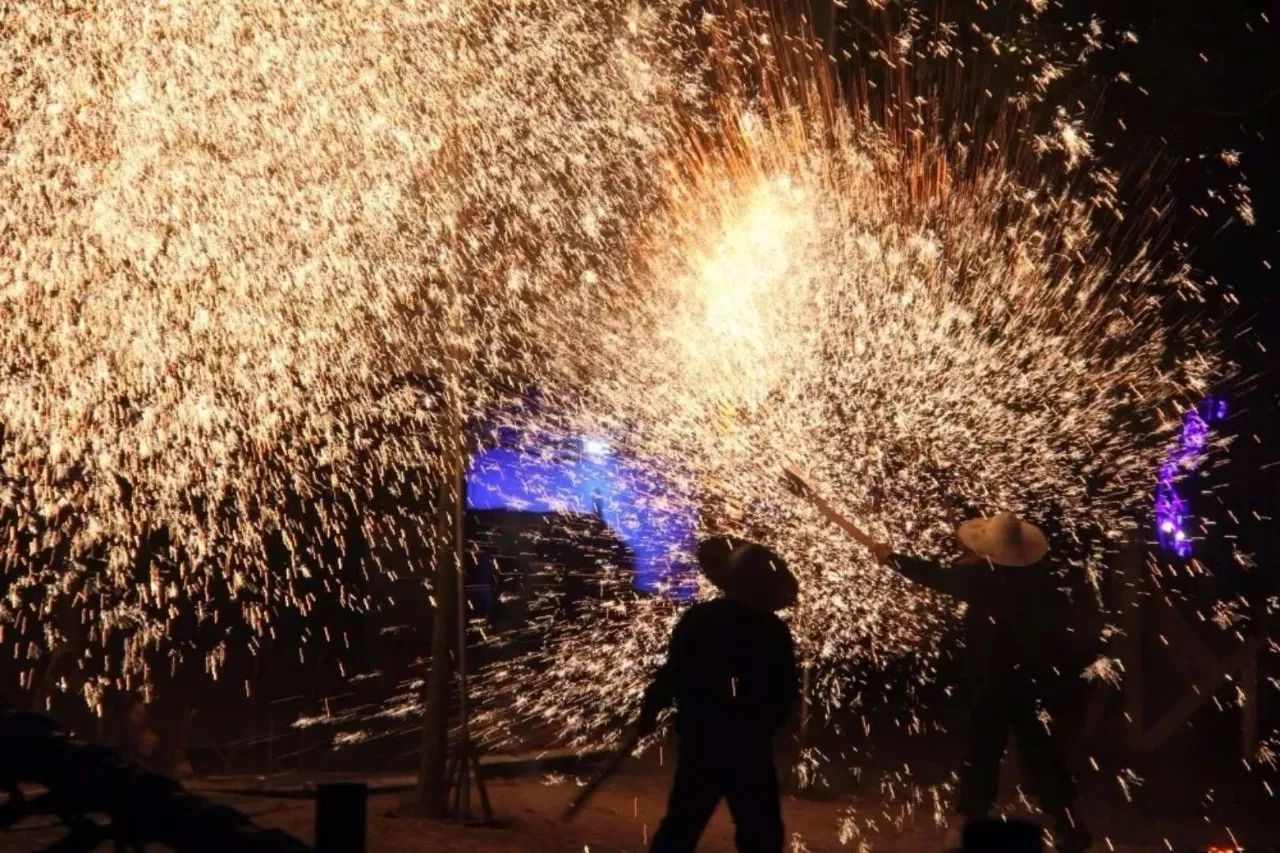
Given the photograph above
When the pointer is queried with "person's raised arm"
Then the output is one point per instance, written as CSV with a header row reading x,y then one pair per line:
x,y
799,486
955,581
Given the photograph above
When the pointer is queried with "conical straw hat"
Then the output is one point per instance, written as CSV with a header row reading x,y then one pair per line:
x,y
1004,539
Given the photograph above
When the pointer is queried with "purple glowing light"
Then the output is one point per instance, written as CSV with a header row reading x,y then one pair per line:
x,y
1172,510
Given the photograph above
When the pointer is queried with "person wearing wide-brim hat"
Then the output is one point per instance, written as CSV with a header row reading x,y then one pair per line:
x,y
747,572
1016,630
731,672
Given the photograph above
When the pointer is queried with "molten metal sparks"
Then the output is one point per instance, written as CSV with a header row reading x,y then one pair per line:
x,y
931,332
261,261
258,258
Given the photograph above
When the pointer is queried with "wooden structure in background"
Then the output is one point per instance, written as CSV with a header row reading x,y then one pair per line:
x,y
1147,613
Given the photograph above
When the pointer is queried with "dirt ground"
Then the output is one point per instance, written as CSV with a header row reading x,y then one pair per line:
x,y
622,816
619,819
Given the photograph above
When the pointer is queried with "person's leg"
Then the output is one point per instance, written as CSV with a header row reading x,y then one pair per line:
x,y
751,790
1047,775
694,795
980,771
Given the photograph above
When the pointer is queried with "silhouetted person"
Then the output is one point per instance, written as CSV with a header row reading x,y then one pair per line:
x,y
731,671
1016,641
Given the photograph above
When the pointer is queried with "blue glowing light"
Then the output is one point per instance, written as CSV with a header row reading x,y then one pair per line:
x,y
1172,510
589,476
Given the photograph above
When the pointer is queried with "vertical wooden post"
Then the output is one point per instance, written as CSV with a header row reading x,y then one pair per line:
x,y
463,780
433,778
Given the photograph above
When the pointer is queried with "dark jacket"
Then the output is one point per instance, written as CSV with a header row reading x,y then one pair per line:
x,y
731,670
1026,619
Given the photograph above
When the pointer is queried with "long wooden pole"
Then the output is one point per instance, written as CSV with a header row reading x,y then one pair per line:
x,y
433,780
460,615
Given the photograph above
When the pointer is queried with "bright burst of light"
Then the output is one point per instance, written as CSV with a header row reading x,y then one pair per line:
x,y
932,333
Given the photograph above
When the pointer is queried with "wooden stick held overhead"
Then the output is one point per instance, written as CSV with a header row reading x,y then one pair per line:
x,y
798,484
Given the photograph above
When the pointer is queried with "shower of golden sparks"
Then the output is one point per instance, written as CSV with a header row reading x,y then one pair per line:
x,y
260,258
246,248
935,325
